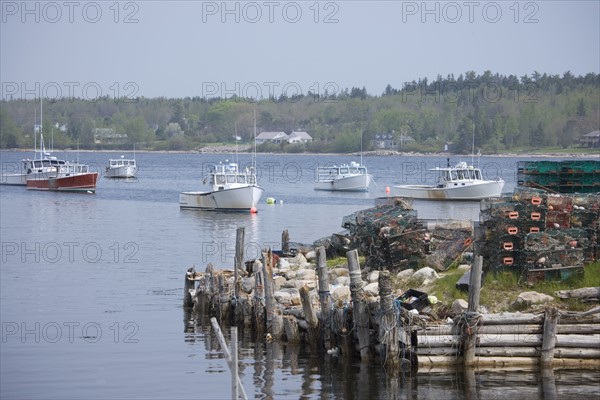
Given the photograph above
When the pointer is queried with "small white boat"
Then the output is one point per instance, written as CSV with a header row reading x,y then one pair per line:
x,y
344,178
121,168
460,182
231,190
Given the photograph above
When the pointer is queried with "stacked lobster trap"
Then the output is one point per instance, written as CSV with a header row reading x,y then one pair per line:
x,y
538,234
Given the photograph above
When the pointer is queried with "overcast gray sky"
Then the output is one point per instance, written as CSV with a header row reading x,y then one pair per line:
x,y
215,48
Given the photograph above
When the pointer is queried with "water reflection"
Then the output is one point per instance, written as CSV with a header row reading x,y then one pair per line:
x,y
289,371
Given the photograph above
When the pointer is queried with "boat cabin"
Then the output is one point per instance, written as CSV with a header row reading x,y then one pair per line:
x,y
121,163
338,171
461,174
229,174
42,165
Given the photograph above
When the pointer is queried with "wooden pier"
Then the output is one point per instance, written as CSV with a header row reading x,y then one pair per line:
x,y
378,327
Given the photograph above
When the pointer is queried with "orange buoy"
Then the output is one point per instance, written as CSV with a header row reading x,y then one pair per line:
x,y
253,210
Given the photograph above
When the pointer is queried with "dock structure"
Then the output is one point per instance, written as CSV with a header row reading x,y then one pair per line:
x,y
292,296
367,321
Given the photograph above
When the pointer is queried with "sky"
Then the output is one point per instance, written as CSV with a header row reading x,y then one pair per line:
x,y
174,49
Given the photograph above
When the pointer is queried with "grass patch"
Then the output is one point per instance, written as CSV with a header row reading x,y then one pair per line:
x,y
445,287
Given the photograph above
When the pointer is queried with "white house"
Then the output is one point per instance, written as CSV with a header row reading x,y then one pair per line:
x,y
273,137
299,137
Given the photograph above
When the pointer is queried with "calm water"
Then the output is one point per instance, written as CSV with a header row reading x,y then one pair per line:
x,y
91,286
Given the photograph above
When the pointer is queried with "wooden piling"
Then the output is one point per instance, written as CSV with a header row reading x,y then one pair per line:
x,y
324,297
388,326
259,299
273,321
549,336
189,284
471,317
235,388
360,308
227,354
285,243
310,315
239,260
238,270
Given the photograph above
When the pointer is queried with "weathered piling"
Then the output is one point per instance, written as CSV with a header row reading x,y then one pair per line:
x,y
285,242
309,315
471,318
324,297
231,361
549,338
238,270
389,337
188,287
273,317
360,308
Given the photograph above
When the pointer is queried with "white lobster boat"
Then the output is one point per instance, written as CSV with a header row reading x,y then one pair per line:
x,y
231,190
343,178
459,182
121,168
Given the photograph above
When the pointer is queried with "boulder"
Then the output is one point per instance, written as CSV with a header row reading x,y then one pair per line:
x,y
283,265
373,276
459,306
425,275
342,281
527,299
340,293
248,284
278,282
372,289
306,274
311,255
298,259
287,296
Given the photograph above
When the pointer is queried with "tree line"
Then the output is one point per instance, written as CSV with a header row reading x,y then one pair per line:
x,y
499,113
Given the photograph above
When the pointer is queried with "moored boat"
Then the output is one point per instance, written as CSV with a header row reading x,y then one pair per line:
x,y
69,177
458,182
121,168
231,189
344,178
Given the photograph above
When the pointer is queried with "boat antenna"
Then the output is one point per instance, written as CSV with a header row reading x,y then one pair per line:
x,y
254,153
361,150
473,144
236,142
34,132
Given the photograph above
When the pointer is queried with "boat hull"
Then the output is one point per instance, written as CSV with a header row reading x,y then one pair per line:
x,y
73,183
234,199
13,179
358,183
472,191
126,171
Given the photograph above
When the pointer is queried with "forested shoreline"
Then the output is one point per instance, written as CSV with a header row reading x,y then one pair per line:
x,y
501,114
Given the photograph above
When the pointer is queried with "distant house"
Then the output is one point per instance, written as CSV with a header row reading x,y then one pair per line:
x,y
591,139
299,137
272,137
109,136
449,147
384,141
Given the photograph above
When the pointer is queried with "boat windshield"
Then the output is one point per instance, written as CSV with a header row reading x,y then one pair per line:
x,y
362,171
231,179
343,170
241,179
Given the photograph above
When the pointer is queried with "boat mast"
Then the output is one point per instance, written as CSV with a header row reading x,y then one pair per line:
x,y
361,134
473,145
254,153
